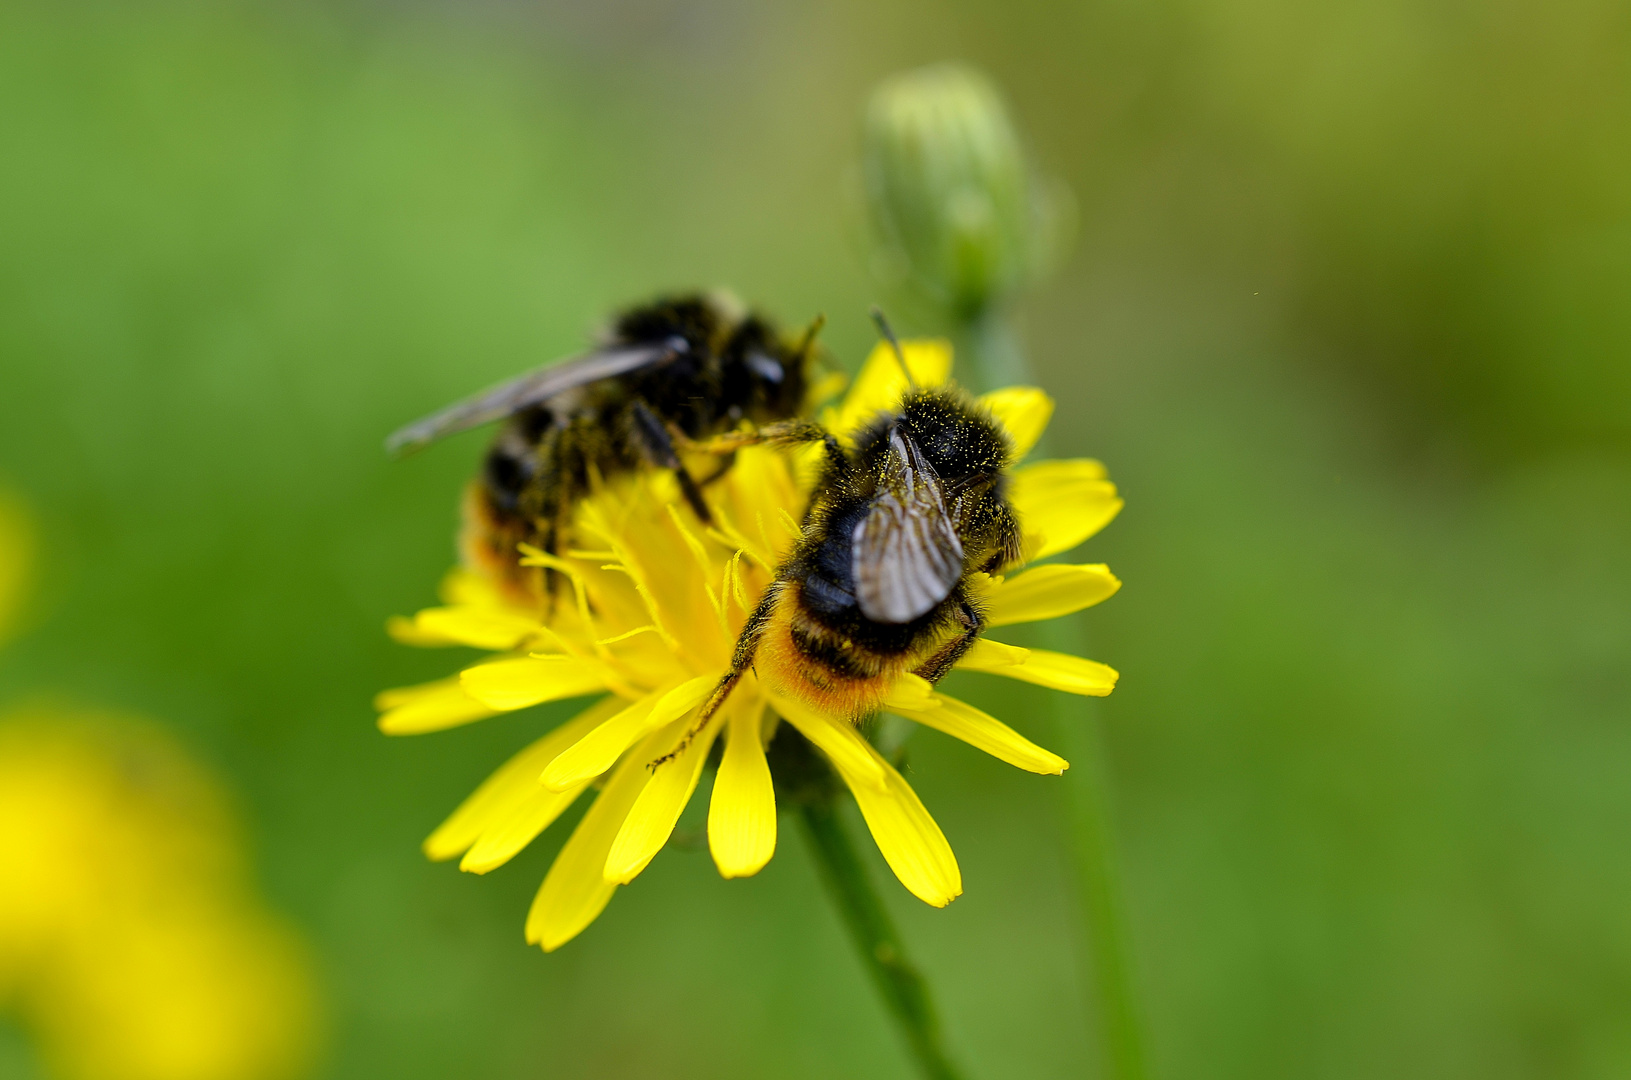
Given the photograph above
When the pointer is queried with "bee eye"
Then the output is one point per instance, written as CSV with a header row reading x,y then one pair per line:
x,y
766,368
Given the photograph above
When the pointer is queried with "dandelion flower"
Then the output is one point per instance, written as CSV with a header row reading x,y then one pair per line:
x,y
648,606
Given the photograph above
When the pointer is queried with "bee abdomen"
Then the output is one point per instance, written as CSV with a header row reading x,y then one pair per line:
x,y
838,657
510,468
808,660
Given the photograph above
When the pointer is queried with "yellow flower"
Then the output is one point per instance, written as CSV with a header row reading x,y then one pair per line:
x,y
131,938
648,617
132,941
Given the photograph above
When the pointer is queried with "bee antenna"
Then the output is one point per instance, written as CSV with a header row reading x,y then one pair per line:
x,y
808,341
894,343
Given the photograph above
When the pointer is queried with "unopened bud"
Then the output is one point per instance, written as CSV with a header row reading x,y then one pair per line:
x,y
951,196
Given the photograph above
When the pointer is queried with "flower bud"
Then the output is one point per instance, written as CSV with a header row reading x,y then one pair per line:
x,y
952,200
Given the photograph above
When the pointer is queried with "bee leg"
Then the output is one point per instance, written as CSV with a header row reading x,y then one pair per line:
x,y
725,463
799,432
654,440
715,701
1009,542
935,667
741,660
781,433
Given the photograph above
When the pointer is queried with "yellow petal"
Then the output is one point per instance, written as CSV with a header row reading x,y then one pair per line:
x,y
414,710
910,692
512,787
650,821
502,843
836,738
462,586
1048,592
911,843
988,655
478,626
1060,671
597,751
742,813
530,680
1061,503
881,383
406,632
575,890
984,732
1024,411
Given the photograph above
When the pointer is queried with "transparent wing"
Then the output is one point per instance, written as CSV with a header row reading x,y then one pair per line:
x,y
522,391
906,556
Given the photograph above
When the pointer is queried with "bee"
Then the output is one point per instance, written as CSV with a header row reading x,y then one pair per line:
x,y
689,366
878,585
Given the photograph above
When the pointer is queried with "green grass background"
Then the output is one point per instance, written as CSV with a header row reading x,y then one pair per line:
x,y
1349,319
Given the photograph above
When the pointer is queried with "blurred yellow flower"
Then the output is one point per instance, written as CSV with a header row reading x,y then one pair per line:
x,y
654,604
131,941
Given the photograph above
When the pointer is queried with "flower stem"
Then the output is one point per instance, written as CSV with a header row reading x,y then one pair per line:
x,y
994,356
904,990
1087,811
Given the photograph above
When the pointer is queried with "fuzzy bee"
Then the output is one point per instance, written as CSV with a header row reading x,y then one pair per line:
x,y
879,583
688,367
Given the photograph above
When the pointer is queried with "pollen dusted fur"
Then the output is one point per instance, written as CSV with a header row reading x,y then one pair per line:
x,y
811,637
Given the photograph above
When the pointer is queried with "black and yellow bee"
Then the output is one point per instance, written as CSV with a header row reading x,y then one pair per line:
x,y
879,584
689,366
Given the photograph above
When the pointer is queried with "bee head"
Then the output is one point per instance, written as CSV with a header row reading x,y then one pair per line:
x,y
967,446
760,373
686,325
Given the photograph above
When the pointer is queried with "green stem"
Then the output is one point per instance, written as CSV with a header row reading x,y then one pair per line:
x,y
1098,879
873,932
992,353
993,350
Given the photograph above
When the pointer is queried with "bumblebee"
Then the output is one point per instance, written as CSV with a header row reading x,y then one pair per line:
x,y
689,366
879,583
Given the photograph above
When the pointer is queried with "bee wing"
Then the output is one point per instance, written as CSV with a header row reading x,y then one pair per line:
x,y
905,556
532,388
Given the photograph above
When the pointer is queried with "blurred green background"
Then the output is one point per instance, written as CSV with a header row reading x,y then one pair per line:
x,y
1349,320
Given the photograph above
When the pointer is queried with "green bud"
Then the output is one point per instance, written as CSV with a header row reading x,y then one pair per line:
x,y
953,203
